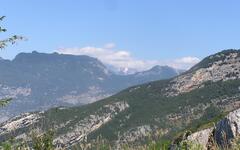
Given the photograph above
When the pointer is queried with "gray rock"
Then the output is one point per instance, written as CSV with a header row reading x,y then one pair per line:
x,y
228,128
201,137
225,131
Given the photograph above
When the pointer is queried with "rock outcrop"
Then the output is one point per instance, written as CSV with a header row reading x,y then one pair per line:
x,y
226,68
201,137
91,123
79,131
228,128
223,134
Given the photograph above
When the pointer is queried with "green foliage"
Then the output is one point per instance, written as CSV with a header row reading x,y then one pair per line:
x,y
11,40
38,142
6,146
14,145
100,144
3,44
148,103
5,101
153,144
188,145
158,145
43,142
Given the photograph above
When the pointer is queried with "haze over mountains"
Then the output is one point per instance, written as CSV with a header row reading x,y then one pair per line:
x,y
194,100
38,81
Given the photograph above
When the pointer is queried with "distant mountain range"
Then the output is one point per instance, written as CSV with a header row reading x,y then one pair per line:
x,y
192,101
38,81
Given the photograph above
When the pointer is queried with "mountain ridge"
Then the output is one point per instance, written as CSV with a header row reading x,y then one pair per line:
x,y
166,106
39,81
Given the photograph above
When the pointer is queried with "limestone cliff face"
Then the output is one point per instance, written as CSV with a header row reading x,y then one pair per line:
x,y
228,128
91,123
80,129
201,137
226,68
225,131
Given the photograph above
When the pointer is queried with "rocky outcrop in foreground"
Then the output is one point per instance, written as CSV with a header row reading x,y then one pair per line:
x,y
223,134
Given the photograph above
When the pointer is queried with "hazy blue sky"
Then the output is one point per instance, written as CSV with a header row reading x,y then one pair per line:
x,y
147,29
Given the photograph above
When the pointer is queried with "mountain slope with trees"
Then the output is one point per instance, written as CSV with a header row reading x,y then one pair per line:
x,y
164,108
39,81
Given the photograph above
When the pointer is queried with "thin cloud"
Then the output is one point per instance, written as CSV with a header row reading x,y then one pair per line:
x,y
109,45
123,60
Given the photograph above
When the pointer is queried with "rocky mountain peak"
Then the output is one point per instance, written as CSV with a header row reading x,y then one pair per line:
x,y
159,70
221,66
222,56
35,56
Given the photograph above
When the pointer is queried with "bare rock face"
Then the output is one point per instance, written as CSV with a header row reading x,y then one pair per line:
x,y
25,120
227,68
91,123
224,133
201,137
80,130
228,128
135,134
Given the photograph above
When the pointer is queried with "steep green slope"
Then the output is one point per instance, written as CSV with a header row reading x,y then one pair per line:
x,y
163,107
148,106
